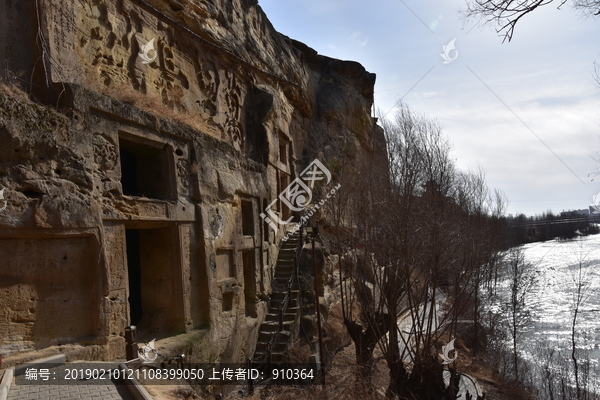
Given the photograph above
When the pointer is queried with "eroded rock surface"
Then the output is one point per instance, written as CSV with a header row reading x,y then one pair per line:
x,y
135,182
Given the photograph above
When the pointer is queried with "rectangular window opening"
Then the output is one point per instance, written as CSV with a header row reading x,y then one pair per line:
x,y
145,170
284,181
282,152
266,226
227,301
247,218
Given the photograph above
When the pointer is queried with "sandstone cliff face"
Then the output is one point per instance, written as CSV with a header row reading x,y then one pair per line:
x,y
134,194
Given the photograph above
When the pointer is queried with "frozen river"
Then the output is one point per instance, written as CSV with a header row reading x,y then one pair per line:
x,y
557,266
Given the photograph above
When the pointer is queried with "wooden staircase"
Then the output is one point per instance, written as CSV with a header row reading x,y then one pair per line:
x,y
277,330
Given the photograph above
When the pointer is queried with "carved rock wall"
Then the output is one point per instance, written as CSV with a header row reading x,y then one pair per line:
x,y
134,194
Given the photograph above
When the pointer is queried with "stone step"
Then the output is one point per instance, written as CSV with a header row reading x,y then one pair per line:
x,y
286,267
287,258
281,295
287,316
275,357
282,285
292,309
266,336
273,326
287,251
282,272
275,304
281,278
278,347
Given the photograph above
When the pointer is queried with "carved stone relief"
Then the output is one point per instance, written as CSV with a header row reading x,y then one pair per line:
x,y
233,101
208,81
105,152
109,43
173,80
195,80
183,172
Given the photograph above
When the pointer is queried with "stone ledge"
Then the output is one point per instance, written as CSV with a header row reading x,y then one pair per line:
x,y
6,382
70,352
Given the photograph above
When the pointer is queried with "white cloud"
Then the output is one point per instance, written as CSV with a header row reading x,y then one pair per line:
x,y
359,39
432,93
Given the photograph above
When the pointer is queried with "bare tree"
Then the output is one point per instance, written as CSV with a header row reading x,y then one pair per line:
x,y
582,280
353,213
521,281
505,14
414,244
434,250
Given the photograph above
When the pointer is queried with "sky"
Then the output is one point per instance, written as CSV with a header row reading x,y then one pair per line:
x,y
526,111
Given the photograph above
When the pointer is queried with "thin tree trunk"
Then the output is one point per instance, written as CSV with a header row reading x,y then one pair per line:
x,y
573,350
514,334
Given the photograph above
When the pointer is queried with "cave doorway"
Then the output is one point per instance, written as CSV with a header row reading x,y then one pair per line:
x,y
155,301
249,263
134,271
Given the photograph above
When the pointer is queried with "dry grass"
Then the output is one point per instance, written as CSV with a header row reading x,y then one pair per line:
x,y
172,392
152,103
300,353
340,383
13,90
124,92
200,351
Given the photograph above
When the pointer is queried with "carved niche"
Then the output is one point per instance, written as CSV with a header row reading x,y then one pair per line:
x,y
207,74
173,79
183,172
233,102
